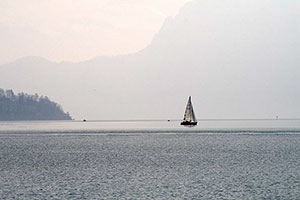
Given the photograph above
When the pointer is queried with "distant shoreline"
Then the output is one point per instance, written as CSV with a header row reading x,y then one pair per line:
x,y
170,120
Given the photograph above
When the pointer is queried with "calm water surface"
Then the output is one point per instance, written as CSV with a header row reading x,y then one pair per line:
x,y
150,160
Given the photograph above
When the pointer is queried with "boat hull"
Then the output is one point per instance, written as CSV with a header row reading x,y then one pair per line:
x,y
187,123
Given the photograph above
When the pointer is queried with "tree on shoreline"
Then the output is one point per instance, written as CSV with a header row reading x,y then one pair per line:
x,y
23,106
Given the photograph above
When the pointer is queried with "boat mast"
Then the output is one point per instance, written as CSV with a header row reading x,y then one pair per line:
x,y
189,118
189,112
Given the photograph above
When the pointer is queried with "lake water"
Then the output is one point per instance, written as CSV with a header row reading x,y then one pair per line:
x,y
255,159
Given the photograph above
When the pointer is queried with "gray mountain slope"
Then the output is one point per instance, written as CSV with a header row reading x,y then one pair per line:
x,y
236,58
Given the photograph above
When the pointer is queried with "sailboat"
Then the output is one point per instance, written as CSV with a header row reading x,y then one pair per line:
x,y
189,115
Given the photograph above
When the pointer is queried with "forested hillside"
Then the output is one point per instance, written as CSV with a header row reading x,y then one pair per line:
x,y
29,107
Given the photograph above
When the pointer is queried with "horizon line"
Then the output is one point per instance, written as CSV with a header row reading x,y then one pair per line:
x,y
170,120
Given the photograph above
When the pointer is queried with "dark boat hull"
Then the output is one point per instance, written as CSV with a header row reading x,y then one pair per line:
x,y
187,123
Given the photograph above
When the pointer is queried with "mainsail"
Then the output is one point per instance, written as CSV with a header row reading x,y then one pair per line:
x,y
189,115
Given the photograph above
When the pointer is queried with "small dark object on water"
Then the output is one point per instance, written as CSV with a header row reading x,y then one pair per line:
x,y
188,123
84,120
168,120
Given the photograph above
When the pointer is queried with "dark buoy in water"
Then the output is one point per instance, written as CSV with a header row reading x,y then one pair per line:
x,y
168,120
84,120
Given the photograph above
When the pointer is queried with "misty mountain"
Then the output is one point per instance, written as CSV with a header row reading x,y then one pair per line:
x,y
236,59
29,107
22,41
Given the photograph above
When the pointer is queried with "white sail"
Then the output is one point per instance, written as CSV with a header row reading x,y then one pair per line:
x,y
189,114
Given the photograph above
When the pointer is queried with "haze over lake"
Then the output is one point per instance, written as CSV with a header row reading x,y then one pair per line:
x,y
238,59
124,71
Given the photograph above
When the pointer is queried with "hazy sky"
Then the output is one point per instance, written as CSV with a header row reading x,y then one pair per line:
x,y
236,58
77,30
